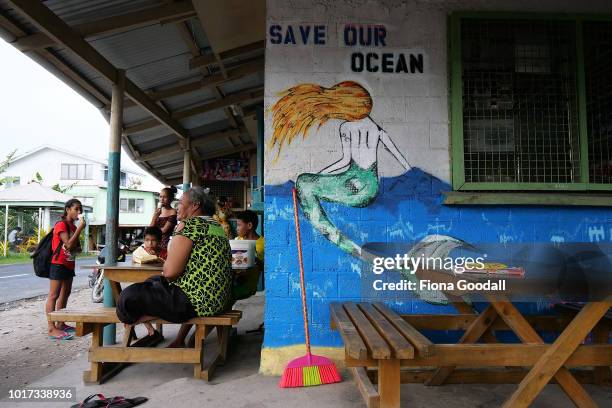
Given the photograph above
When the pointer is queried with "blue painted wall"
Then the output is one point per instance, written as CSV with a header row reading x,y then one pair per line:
x,y
407,208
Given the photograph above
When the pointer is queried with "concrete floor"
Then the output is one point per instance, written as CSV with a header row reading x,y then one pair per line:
x,y
237,384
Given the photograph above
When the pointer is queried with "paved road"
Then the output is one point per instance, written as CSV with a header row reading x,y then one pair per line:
x,y
19,281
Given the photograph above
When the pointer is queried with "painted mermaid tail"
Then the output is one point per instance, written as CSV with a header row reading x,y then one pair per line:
x,y
355,187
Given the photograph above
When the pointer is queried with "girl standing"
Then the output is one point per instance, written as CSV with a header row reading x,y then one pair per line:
x,y
165,218
65,244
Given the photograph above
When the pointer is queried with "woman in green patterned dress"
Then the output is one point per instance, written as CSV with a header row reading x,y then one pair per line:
x,y
197,276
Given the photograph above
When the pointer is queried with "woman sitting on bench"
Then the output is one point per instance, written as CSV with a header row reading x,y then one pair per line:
x,y
197,277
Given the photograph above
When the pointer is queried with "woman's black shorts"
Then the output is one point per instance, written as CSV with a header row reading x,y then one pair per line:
x,y
60,272
154,297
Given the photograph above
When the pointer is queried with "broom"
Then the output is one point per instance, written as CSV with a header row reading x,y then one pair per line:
x,y
310,369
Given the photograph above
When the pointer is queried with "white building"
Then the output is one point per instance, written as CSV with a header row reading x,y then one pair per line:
x,y
84,178
59,166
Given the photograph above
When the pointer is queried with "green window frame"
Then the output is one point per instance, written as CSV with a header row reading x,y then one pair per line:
x,y
458,169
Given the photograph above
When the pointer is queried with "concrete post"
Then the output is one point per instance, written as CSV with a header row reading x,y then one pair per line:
x,y
260,154
39,223
187,167
6,210
112,195
86,242
47,218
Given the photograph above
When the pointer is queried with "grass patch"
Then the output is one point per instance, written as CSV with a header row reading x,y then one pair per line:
x,y
12,258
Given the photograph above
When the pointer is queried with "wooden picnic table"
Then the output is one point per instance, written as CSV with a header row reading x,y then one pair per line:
x,y
127,272
375,337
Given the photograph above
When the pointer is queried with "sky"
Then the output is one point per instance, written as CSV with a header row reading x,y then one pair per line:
x,y
36,108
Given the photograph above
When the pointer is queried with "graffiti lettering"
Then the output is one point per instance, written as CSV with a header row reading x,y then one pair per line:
x,y
365,36
387,62
301,34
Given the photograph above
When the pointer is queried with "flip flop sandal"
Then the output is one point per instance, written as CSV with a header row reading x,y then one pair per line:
x,y
90,402
63,336
120,402
68,329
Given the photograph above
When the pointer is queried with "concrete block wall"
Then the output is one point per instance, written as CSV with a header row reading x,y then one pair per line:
x,y
413,109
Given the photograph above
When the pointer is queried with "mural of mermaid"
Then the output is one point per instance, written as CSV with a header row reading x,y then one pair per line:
x,y
353,179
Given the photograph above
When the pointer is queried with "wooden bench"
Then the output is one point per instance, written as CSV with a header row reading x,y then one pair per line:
x,y
104,359
386,348
376,337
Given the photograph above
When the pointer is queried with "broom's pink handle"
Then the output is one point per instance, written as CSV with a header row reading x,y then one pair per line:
x,y
302,285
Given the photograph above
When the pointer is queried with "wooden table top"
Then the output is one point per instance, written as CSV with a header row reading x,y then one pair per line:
x,y
128,266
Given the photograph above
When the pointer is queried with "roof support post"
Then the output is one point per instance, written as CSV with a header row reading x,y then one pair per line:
x,y
39,223
187,167
6,209
112,192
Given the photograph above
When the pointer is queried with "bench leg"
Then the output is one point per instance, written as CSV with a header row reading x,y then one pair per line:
x,y
116,290
365,387
223,333
473,333
199,345
94,374
389,383
551,362
601,335
128,335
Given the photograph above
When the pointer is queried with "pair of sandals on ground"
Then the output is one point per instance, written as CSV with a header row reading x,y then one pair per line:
x,y
67,333
100,401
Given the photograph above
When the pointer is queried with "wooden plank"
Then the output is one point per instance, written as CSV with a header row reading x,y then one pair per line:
x,y
463,321
471,335
418,340
462,307
389,383
200,334
94,374
129,276
400,346
478,376
364,385
179,9
527,334
350,336
496,198
496,355
143,355
377,347
109,315
556,356
83,329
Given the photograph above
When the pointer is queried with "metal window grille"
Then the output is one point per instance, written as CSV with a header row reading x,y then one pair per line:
x,y
233,190
519,101
597,38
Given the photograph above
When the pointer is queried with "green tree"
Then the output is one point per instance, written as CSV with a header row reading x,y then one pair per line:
x,y
38,178
4,165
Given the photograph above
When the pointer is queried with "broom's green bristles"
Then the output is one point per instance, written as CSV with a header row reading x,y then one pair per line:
x,y
310,376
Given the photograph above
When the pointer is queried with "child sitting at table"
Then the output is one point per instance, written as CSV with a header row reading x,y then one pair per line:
x,y
152,240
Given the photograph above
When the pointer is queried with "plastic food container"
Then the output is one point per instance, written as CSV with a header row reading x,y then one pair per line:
x,y
243,253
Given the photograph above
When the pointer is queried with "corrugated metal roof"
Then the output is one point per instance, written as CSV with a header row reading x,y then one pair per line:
x,y
143,46
83,11
156,57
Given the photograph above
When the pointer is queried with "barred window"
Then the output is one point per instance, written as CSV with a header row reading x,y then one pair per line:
x,y
533,98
